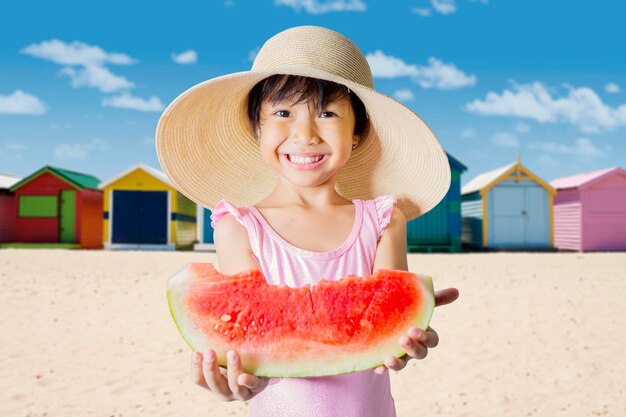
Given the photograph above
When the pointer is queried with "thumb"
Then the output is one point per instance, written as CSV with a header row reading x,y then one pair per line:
x,y
251,382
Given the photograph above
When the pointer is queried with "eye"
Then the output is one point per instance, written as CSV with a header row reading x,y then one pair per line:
x,y
282,113
327,114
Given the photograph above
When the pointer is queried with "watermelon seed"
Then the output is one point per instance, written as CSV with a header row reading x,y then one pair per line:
x,y
226,317
245,328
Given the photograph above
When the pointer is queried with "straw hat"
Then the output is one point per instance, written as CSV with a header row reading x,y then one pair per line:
x,y
206,145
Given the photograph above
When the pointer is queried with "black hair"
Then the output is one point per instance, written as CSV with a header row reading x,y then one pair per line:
x,y
281,87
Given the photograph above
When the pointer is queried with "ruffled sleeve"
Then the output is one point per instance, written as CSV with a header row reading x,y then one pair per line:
x,y
384,207
222,208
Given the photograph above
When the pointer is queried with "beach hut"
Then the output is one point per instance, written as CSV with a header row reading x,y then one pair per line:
x,y
508,208
143,210
7,207
440,228
205,231
57,208
590,211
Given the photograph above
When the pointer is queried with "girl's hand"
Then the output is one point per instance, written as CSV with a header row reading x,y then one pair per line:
x,y
417,341
228,384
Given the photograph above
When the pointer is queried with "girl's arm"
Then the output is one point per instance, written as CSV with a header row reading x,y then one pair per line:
x,y
391,249
391,254
232,246
234,255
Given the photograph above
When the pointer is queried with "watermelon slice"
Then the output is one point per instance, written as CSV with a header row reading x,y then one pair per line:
x,y
330,328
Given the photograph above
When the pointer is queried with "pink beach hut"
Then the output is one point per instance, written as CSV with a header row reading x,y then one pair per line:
x,y
590,211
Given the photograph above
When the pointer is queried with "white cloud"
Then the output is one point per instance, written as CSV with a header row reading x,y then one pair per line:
x,y
444,6
582,147
96,77
61,126
403,95
469,132
84,64
548,161
318,7
79,150
386,66
422,11
505,140
12,146
188,57
437,74
75,53
21,102
521,127
612,88
128,101
581,107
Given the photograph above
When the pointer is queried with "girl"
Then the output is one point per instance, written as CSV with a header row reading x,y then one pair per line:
x,y
321,175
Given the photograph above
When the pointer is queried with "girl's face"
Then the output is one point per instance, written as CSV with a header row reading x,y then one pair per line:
x,y
304,146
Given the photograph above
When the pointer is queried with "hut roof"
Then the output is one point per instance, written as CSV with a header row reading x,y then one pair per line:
x,y
77,179
154,172
584,179
456,163
483,180
7,180
491,178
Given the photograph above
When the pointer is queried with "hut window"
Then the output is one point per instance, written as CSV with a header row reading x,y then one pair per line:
x,y
38,206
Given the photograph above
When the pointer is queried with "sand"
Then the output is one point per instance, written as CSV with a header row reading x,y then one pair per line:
x,y
88,333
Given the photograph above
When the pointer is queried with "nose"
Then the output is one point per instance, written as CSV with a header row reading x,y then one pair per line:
x,y
303,131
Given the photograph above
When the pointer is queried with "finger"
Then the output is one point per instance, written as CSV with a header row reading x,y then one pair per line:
x,y
253,383
195,373
215,380
446,296
234,370
394,363
428,338
380,370
414,348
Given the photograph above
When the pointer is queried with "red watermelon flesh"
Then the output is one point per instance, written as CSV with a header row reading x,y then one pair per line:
x,y
329,328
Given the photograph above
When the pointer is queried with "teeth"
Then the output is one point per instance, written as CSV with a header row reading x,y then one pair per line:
x,y
304,159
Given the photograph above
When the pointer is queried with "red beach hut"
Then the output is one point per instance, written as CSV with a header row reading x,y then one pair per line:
x,y
55,207
590,211
7,207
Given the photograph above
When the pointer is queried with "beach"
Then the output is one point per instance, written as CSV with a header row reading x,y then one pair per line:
x,y
89,333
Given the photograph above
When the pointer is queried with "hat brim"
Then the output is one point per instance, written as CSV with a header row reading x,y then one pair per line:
x,y
206,146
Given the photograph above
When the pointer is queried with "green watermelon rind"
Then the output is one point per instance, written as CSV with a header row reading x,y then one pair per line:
x,y
313,367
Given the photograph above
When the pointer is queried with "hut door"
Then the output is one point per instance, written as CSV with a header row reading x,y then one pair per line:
x,y
509,222
67,217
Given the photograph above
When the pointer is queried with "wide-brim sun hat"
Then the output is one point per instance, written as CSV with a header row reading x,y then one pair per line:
x,y
207,147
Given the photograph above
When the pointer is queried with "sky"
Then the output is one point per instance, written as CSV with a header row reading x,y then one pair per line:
x,y
82,87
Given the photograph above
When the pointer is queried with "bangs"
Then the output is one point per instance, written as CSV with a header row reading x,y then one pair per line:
x,y
298,89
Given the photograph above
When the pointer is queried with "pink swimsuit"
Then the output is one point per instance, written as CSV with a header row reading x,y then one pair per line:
x,y
358,394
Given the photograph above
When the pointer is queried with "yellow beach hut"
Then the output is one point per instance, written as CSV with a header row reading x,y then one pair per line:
x,y
143,210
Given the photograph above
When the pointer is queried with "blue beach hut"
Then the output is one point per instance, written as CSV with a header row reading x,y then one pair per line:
x,y
508,208
440,228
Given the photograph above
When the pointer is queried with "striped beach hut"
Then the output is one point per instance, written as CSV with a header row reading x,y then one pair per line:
x,y
57,208
7,207
590,211
143,210
440,228
205,231
508,208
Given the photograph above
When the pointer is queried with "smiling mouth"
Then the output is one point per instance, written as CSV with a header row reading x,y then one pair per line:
x,y
299,159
